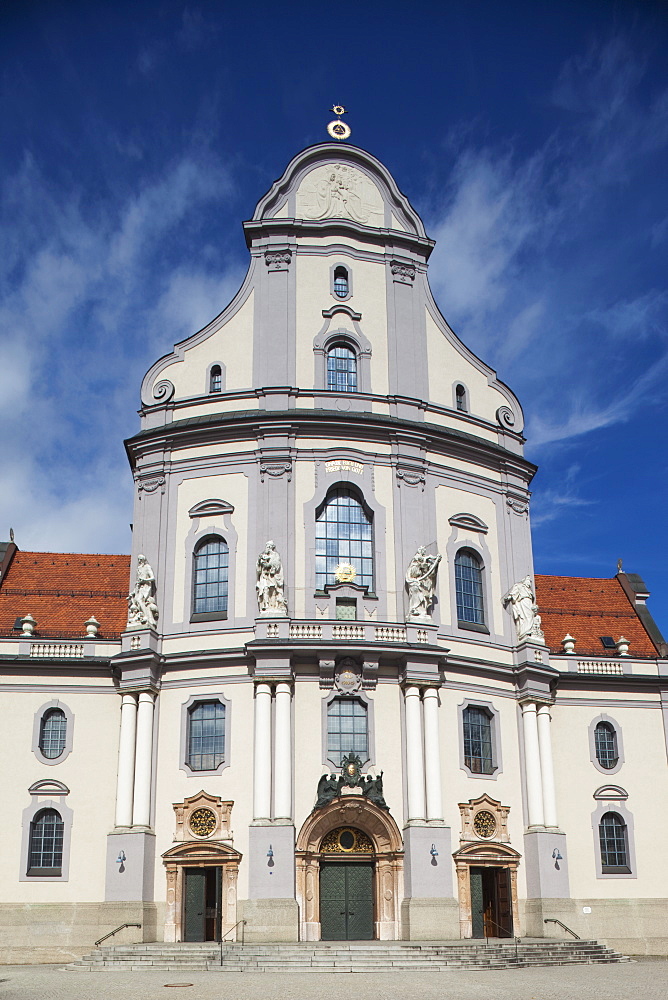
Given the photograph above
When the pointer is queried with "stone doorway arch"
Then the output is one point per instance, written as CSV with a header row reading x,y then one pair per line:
x,y
200,855
388,858
484,855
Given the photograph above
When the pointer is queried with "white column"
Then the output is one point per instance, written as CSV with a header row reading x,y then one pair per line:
x,y
546,766
414,755
126,761
262,754
532,765
141,810
432,754
283,753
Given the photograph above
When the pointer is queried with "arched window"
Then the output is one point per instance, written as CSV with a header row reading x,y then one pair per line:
x,y
460,398
216,379
468,587
343,537
347,729
210,576
45,854
614,845
206,735
341,368
52,733
478,744
605,741
341,285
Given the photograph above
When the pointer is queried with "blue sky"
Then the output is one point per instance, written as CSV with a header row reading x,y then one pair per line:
x,y
531,137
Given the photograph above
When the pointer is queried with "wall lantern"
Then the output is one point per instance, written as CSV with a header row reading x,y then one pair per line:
x,y
120,860
270,855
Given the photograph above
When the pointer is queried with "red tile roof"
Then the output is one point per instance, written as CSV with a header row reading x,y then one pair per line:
x,y
588,608
62,590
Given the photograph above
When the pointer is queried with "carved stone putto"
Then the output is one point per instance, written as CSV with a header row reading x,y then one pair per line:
x,y
421,584
269,585
142,607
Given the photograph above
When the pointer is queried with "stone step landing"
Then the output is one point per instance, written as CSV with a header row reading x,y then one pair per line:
x,y
342,956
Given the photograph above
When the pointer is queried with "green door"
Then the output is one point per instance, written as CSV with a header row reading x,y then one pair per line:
x,y
194,923
346,902
477,903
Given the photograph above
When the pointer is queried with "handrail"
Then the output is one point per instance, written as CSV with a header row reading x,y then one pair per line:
x,y
115,931
553,920
243,936
516,939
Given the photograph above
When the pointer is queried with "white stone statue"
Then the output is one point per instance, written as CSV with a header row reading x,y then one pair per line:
x,y
142,607
269,586
524,610
421,583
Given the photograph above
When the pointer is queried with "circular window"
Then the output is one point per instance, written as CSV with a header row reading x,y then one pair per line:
x,y
203,822
484,824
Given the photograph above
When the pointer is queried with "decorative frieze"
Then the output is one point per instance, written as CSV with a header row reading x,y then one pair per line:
x,y
278,260
402,272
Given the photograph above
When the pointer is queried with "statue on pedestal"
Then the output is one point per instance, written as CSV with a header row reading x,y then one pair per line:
x,y
269,586
142,607
421,583
524,610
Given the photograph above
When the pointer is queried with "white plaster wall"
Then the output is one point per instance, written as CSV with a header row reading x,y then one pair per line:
x,y
234,783
232,487
447,366
89,771
314,294
384,479
643,776
230,345
304,484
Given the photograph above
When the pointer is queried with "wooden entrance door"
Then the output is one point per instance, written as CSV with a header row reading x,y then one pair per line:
x,y
491,902
202,904
346,901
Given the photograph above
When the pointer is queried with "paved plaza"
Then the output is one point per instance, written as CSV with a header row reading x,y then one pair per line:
x,y
646,978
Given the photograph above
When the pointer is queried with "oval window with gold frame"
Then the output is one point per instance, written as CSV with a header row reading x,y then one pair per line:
x,y
346,840
202,822
484,824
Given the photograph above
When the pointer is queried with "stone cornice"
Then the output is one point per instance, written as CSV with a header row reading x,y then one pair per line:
x,y
255,231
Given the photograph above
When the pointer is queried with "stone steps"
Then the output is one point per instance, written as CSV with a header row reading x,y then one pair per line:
x,y
360,957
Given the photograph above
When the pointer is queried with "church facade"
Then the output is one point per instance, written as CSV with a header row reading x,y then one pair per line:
x,y
336,704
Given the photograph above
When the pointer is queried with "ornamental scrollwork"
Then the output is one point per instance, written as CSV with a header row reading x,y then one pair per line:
x,y
151,485
278,260
517,505
402,272
505,416
276,470
163,390
411,477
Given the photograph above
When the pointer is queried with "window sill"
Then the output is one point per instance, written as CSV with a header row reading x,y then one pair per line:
x,y
622,870
209,616
44,873
473,627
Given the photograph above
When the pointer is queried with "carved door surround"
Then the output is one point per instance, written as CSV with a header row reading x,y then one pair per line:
x,y
484,838
388,859
203,839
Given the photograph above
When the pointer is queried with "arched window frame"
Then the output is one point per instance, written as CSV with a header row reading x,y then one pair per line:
x,y
495,734
362,697
462,396
343,345
215,379
37,732
593,756
351,336
482,626
368,512
184,753
209,517
609,805
209,390
332,277
221,615
28,818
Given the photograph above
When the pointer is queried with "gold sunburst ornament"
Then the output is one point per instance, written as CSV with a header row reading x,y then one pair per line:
x,y
345,573
338,129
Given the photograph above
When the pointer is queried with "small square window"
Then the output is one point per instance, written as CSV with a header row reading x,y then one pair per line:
x,y
608,642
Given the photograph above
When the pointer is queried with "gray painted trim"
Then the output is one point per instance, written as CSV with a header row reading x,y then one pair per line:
x,y
468,521
592,744
28,816
48,786
56,689
495,726
619,808
479,546
69,732
196,699
209,524
325,339
607,793
370,727
348,270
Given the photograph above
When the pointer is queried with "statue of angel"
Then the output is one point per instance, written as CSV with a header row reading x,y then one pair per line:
x,y
421,583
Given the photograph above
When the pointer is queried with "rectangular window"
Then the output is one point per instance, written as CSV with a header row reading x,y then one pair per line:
x,y
478,741
206,736
347,730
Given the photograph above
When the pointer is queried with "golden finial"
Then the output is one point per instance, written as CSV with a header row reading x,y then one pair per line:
x,y
338,129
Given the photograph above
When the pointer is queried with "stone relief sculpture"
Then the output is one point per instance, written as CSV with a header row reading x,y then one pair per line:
x,y
524,610
421,583
142,607
269,586
340,192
